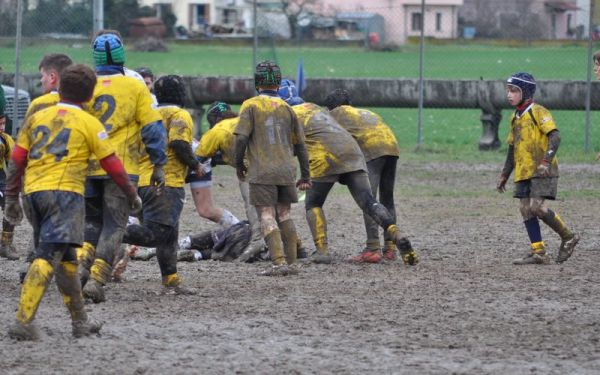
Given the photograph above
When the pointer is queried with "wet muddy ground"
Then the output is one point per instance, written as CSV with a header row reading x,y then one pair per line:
x,y
465,309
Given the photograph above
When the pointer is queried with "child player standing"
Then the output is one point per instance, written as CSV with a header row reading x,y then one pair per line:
x,y
532,145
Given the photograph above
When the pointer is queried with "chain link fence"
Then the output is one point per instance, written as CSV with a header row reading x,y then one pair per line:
x,y
463,40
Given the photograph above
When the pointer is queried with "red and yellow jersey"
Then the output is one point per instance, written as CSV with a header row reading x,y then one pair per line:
x,y
60,141
331,149
6,146
179,126
529,135
124,106
272,129
220,138
42,102
374,137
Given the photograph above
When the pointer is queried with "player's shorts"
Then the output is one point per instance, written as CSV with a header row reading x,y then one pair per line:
x,y
270,195
341,178
56,216
537,188
197,182
164,208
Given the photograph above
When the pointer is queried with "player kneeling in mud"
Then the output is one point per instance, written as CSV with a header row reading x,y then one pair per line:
x,y
532,145
52,152
335,156
162,206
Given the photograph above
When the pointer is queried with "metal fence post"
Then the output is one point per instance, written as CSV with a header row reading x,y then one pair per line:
x,y
588,93
98,15
19,36
421,83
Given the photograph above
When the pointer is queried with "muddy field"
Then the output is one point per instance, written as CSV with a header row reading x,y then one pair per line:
x,y
464,309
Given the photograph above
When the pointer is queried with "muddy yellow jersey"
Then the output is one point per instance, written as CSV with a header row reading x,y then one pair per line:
x,y
42,102
60,141
179,125
529,135
220,138
6,146
331,149
374,137
124,106
273,130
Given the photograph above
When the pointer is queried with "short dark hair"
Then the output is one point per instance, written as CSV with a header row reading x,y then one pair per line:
x,y
218,111
170,89
55,61
145,72
77,83
597,56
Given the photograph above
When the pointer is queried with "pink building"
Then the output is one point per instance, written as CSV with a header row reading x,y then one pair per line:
x,y
403,18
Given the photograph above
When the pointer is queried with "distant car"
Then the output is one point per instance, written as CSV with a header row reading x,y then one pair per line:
x,y
22,105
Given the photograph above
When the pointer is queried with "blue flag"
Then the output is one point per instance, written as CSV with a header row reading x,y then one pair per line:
x,y
300,79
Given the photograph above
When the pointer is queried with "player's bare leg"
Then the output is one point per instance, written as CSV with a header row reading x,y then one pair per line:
x,y
206,208
272,236
529,207
568,239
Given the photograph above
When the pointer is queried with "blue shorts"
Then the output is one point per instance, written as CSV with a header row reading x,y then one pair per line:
x,y
164,208
200,182
56,216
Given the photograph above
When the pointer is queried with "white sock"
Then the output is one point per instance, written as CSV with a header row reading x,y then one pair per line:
x,y
228,219
185,243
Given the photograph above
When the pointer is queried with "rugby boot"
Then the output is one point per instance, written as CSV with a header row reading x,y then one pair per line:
x,y
537,255
254,248
185,243
407,253
302,253
367,256
567,246
172,285
389,252
95,291
279,270
23,332
7,249
187,255
320,257
100,273
83,328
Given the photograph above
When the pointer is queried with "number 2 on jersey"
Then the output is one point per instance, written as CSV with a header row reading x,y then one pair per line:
x,y
110,109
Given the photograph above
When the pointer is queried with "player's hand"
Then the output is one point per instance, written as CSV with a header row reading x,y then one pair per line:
x,y
135,204
241,172
501,183
199,171
304,184
13,213
543,170
158,178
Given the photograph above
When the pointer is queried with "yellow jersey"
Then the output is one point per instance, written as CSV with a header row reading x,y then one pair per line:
x,y
179,125
272,130
529,136
374,137
60,141
124,106
220,138
6,146
331,149
41,102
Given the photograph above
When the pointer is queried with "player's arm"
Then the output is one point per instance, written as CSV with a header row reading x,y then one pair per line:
x,y
301,153
509,166
13,212
242,137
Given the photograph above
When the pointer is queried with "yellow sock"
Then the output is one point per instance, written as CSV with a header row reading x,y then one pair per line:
x,y
34,287
101,271
171,280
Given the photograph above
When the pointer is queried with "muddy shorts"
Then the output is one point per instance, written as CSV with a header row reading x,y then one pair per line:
x,y
164,208
270,195
197,182
56,216
537,188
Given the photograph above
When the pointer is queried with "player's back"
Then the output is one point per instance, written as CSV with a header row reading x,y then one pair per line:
x,y
331,149
43,101
123,105
60,140
179,125
220,137
374,137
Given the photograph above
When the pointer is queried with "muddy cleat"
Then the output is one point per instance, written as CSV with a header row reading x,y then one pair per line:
x,y
95,291
389,255
533,258
178,291
23,332
253,249
302,253
409,257
367,256
281,270
185,243
9,252
320,258
187,255
566,248
87,328
143,253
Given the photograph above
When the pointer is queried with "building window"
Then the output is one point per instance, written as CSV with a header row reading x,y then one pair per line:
x,y
569,21
201,14
438,21
416,22
229,16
